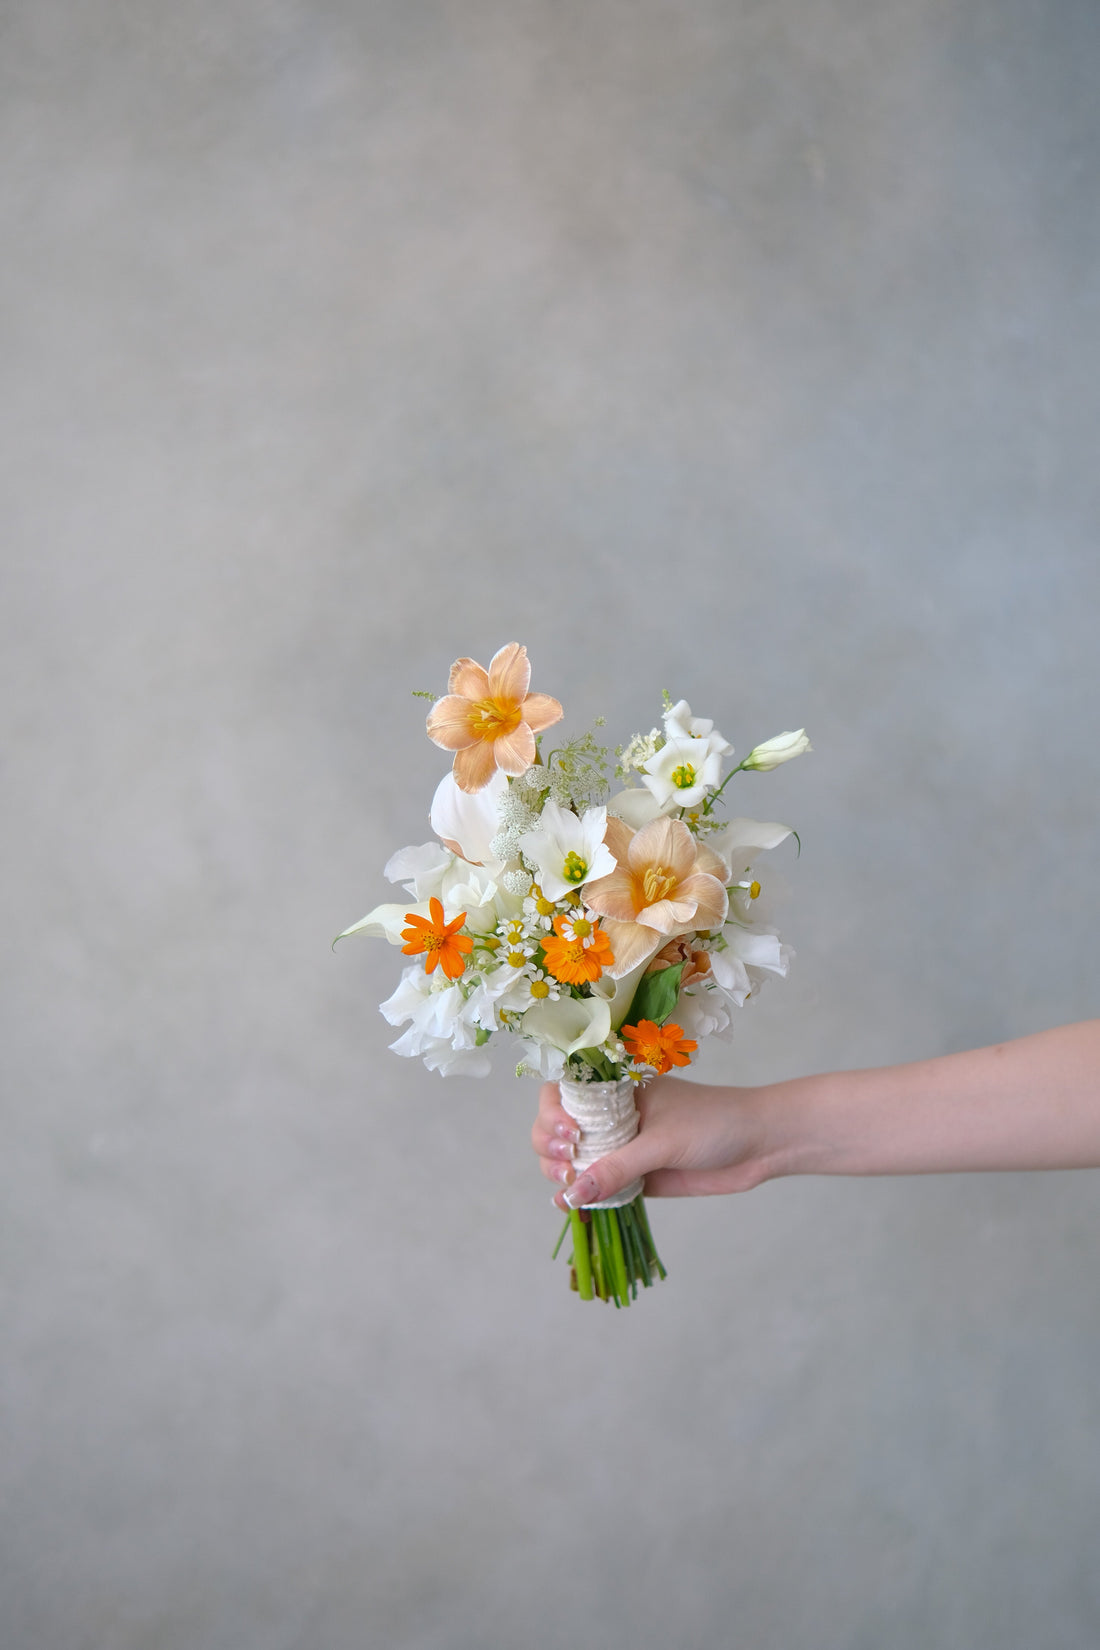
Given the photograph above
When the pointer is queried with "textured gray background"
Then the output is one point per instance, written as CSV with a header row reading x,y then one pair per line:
x,y
744,349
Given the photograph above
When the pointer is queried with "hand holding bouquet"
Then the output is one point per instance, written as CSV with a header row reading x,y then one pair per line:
x,y
601,934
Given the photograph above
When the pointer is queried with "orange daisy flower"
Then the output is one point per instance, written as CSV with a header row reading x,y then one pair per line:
x,y
440,940
577,951
661,1047
489,719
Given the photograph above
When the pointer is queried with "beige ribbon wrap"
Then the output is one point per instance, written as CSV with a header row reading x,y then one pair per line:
x,y
607,1118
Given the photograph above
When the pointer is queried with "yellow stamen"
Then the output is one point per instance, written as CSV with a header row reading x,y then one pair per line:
x,y
491,718
683,777
575,868
754,890
657,882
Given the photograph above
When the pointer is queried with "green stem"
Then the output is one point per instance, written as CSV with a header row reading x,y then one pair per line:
x,y
643,1221
581,1258
618,1256
561,1239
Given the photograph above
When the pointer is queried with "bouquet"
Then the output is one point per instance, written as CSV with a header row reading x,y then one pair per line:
x,y
602,933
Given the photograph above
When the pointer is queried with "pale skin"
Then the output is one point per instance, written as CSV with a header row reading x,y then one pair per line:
x,y
1033,1103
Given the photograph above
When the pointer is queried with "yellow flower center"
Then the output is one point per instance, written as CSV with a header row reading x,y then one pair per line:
x,y
544,906
517,959
490,719
754,890
491,942
683,777
575,868
657,883
581,928
539,988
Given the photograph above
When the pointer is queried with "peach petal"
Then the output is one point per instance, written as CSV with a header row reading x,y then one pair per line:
x,y
664,842
510,673
612,895
707,860
514,752
631,944
540,711
667,915
475,766
618,837
449,723
469,678
709,897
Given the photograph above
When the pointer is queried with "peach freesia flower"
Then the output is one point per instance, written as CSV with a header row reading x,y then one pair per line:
x,y
489,719
696,963
664,884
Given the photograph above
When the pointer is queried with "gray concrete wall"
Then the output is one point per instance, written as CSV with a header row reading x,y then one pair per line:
x,y
748,350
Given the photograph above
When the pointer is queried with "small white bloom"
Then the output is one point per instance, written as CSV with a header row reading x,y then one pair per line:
x,y
639,750
568,851
682,772
773,752
681,724
531,987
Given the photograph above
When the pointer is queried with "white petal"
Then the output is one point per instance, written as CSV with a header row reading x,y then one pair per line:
x,y
570,1024
635,808
469,818
386,922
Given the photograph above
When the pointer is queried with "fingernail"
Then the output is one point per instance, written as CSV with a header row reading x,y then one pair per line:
x,y
563,1172
567,1131
562,1148
583,1190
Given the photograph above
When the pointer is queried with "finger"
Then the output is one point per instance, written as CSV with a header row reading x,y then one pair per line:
x,y
613,1172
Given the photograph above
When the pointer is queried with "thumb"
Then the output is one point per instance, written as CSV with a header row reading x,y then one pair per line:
x,y
611,1173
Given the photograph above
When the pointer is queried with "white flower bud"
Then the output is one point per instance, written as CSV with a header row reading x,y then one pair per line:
x,y
774,752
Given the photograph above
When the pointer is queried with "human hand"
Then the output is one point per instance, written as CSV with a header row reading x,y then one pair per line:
x,y
694,1139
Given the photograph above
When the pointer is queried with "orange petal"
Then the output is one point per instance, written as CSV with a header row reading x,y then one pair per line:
x,y
469,678
449,723
514,752
540,711
475,766
510,673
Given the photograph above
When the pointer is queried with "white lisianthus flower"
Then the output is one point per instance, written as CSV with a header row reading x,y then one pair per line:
x,y
681,724
682,772
567,851
774,752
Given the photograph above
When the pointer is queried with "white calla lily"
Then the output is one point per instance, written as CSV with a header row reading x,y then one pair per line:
x,y
467,821
570,1024
385,922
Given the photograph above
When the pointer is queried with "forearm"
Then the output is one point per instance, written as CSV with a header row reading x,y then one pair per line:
x,y
1029,1104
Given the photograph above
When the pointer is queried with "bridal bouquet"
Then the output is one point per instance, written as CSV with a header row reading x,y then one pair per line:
x,y
603,934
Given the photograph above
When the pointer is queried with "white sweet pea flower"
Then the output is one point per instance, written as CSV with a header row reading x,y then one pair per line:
x,y
444,1027
567,851
773,752
467,821
540,1060
682,772
681,724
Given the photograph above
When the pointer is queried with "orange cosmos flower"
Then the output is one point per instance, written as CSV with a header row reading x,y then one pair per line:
x,y
577,951
661,1047
489,719
439,939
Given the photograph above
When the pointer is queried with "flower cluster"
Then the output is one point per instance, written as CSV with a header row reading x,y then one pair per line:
x,y
604,936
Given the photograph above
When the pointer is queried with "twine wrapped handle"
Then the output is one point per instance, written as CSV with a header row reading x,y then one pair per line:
x,y
607,1118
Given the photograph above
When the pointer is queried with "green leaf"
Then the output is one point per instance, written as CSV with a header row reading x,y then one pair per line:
x,y
656,996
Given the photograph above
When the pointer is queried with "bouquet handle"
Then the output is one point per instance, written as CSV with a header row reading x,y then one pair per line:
x,y
607,1118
